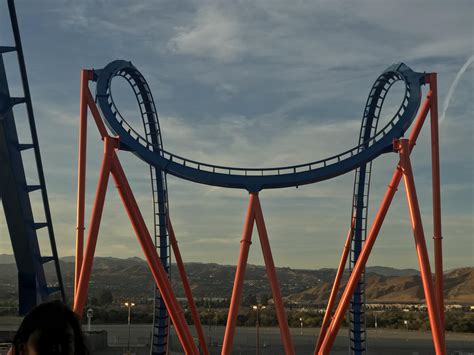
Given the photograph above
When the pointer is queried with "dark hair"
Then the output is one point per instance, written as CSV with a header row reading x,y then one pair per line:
x,y
51,324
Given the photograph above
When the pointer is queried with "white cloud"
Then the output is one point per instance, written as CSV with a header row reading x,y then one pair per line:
x,y
214,34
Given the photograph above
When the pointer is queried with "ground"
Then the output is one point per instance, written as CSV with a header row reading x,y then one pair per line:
x,y
381,341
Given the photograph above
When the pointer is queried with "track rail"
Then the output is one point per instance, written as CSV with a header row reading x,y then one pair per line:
x,y
151,127
256,179
360,206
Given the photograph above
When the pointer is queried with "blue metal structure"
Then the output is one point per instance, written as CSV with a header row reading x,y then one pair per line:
x,y
15,191
151,127
372,143
360,206
256,179
152,131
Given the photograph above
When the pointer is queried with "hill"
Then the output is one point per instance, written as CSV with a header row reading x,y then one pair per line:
x,y
131,278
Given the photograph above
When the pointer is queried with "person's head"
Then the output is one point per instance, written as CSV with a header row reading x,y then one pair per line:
x,y
50,329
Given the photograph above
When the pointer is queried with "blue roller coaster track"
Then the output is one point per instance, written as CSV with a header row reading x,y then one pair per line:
x,y
149,147
256,179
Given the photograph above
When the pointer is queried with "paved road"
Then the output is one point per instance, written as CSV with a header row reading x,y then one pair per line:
x,y
380,341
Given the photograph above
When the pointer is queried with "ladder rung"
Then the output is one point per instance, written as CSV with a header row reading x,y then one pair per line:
x,y
46,259
53,289
40,225
17,100
31,188
6,49
160,344
360,331
25,146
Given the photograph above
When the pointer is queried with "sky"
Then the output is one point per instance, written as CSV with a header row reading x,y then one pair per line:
x,y
251,83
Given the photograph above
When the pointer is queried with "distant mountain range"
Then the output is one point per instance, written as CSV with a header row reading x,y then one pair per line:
x,y
131,278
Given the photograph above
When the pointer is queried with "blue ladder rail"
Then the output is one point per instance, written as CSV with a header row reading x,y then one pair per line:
x,y
360,207
149,116
27,249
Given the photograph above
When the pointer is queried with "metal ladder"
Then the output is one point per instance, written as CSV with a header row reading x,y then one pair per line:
x,y
357,329
15,192
149,116
160,210
160,336
360,207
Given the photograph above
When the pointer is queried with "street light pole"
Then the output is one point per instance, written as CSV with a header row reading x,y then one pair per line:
x,y
129,305
258,308
209,320
89,314
258,334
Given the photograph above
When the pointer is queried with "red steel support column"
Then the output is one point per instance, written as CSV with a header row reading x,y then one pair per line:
x,y
187,288
86,269
81,176
437,234
359,266
272,278
239,278
156,267
372,236
415,216
96,115
335,287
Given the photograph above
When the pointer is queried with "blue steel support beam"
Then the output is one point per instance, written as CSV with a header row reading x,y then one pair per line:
x,y
32,286
35,142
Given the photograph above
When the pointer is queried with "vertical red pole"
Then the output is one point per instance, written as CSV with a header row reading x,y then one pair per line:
x,y
81,176
239,278
86,269
187,288
272,278
335,287
372,236
156,267
423,260
436,185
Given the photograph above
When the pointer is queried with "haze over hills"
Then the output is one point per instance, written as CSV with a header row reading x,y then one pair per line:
x,y
131,278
